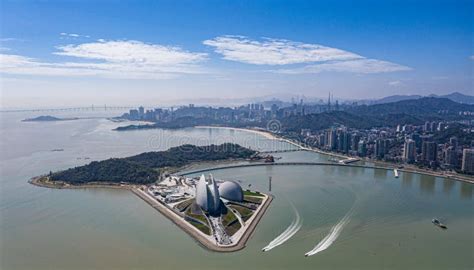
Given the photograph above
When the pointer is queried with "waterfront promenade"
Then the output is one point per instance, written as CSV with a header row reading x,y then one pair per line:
x,y
377,164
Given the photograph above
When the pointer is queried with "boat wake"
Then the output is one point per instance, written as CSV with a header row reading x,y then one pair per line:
x,y
332,236
294,227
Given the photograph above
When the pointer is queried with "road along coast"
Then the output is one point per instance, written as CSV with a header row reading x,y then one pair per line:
x,y
377,164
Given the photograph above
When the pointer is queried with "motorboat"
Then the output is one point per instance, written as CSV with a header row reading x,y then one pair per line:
x,y
438,223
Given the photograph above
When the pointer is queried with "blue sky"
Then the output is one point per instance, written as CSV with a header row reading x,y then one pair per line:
x,y
129,52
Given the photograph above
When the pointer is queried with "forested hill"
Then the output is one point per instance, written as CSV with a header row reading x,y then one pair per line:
x,y
415,112
145,167
428,107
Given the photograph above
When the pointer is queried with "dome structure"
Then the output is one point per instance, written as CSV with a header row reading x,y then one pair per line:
x,y
232,191
207,195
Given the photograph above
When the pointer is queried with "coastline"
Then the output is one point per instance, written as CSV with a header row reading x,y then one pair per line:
x,y
255,131
377,163
199,237
39,181
196,234
42,181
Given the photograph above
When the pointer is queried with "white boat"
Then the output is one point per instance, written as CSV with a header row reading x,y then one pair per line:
x,y
438,223
395,171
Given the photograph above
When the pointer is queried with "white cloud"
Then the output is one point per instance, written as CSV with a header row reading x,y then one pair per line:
x,y
72,35
7,39
114,59
363,66
131,52
471,57
275,51
394,83
317,58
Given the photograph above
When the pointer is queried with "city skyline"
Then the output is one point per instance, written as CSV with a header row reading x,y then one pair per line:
x,y
212,50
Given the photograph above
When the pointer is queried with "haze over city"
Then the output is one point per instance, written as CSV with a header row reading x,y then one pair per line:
x,y
243,134
219,52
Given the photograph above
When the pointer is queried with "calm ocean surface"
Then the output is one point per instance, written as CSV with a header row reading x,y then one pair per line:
x,y
388,220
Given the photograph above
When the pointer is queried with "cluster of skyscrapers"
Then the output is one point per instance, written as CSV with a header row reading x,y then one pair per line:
x,y
249,113
405,144
411,144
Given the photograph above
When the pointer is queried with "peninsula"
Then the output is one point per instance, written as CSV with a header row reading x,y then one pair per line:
x,y
218,214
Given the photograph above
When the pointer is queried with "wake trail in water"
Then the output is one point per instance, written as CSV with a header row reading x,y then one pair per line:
x,y
332,236
294,227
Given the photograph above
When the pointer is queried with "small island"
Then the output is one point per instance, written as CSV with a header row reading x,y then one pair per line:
x,y
48,118
219,214
181,122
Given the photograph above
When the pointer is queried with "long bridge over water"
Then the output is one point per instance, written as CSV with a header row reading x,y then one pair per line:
x,y
72,109
281,151
259,164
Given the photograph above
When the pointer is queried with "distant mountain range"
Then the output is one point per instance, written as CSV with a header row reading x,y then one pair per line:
x,y
456,96
412,111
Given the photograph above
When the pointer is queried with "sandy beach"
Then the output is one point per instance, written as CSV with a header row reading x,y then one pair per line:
x,y
263,133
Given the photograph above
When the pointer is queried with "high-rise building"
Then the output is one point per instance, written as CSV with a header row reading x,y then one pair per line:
x,y
429,151
134,115
355,142
274,110
381,148
409,151
141,111
453,141
362,148
332,137
340,141
322,140
399,128
346,144
450,157
441,126
418,140
468,161
427,126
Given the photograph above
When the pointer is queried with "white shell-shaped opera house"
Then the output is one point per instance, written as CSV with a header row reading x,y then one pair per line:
x,y
231,190
207,195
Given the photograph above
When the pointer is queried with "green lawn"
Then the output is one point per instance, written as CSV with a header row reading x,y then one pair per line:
x,y
182,206
253,199
232,228
244,212
199,217
228,218
203,228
